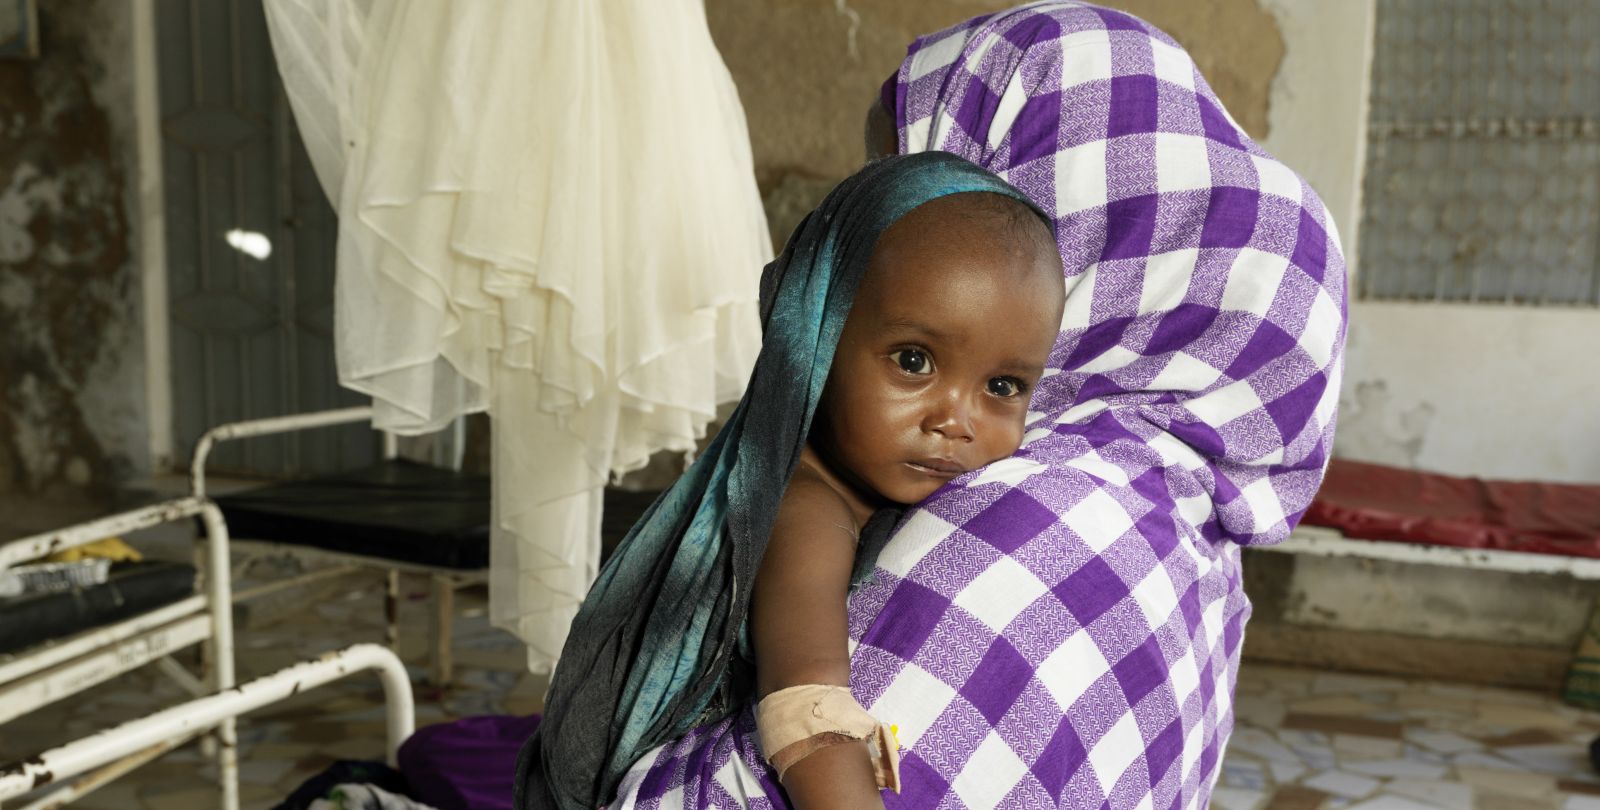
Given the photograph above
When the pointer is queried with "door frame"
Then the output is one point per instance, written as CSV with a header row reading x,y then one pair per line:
x,y
152,235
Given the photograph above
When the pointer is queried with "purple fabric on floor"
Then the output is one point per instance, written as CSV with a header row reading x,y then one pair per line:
x,y
467,764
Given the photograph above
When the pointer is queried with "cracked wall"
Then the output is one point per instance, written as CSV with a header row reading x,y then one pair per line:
x,y
807,69
71,384
1468,389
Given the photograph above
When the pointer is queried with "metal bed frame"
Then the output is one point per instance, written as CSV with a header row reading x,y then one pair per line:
x,y
112,753
48,672
57,669
444,581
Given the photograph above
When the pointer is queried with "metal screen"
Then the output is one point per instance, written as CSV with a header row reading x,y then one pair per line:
x,y
1483,161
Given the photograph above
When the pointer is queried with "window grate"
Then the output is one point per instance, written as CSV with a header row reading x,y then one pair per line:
x,y
1483,161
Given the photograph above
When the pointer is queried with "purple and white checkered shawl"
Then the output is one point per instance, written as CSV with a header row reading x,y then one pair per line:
x,y
1062,628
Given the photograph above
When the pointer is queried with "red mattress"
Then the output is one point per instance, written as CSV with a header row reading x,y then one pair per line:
x,y
1374,502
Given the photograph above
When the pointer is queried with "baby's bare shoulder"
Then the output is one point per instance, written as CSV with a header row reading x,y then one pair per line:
x,y
811,506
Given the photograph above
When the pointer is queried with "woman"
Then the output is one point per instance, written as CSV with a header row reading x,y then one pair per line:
x,y
1063,628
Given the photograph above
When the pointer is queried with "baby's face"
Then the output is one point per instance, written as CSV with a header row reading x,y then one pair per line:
x,y
946,339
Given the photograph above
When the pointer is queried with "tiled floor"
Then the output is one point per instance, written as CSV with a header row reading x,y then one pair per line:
x,y
1304,740
1308,740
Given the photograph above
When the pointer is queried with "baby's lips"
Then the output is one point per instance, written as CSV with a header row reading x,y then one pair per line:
x,y
942,466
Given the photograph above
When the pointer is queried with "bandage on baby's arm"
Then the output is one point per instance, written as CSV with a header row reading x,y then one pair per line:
x,y
796,722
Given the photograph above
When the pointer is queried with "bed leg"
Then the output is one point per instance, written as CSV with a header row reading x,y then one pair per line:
x,y
228,763
444,598
218,650
219,596
208,651
391,610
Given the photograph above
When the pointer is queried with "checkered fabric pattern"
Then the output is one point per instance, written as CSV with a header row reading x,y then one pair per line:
x,y
1062,628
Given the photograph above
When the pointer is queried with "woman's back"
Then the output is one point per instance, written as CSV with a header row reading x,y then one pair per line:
x,y
1063,628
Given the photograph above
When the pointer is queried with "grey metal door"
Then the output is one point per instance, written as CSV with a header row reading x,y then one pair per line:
x,y
251,335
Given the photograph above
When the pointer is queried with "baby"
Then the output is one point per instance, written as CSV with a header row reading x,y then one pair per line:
x,y
947,336
906,324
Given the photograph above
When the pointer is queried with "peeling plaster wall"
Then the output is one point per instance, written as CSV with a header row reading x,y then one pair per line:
x,y
1492,391
807,70
71,386
1318,109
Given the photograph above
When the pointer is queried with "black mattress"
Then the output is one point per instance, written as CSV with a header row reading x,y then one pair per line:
x,y
132,588
394,510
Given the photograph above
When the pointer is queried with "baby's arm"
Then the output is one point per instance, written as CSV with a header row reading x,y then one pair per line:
x,y
801,634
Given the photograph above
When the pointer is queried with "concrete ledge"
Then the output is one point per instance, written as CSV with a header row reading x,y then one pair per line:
x,y
1447,614
1323,542
1478,662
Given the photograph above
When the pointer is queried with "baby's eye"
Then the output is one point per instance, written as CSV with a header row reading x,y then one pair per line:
x,y
913,361
1005,386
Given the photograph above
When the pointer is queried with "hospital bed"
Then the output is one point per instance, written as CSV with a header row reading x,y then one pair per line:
x,y
395,516
1458,578
1402,515
61,653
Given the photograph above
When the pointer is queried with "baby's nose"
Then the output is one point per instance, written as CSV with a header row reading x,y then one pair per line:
x,y
952,419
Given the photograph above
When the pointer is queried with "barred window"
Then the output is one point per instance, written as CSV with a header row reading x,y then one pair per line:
x,y
1483,153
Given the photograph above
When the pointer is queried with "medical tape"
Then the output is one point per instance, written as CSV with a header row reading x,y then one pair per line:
x,y
796,722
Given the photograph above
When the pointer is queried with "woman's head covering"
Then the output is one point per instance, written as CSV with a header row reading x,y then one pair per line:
x,y
653,644
1206,287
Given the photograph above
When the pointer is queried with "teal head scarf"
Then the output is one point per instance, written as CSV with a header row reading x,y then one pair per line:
x,y
656,646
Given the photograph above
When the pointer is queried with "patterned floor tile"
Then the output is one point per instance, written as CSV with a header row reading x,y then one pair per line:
x,y
1372,743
